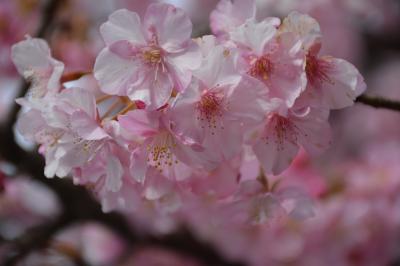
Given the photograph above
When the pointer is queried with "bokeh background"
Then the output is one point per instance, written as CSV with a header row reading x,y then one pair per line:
x,y
355,184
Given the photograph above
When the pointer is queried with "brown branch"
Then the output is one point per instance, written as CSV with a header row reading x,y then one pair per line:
x,y
379,102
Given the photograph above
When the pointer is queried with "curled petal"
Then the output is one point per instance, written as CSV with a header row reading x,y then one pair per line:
x,y
254,36
230,14
344,85
169,25
304,26
122,25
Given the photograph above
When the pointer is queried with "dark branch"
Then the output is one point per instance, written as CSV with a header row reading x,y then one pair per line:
x,y
379,102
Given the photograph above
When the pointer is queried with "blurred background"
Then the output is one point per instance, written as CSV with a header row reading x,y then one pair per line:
x,y
355,184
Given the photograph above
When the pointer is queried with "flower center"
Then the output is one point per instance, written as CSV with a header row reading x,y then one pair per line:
x,y
316,70
152,55
262,68
283,130
161,151
210,108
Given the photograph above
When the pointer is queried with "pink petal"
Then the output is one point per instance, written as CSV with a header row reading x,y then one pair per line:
x,y
254,36
181,64
80,99
248,101
218,69
346,84
122,25
183,115
33,57
114,173
124,49
160,85
156,185
30,123
139,122
288,79
86,127
138,164
304,26
230,14
115,74
314,131
171,26
275,154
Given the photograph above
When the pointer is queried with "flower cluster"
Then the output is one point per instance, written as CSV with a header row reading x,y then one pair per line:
x,y
164,120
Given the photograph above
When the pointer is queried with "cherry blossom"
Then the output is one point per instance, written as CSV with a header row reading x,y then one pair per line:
x,y
274,58
34,62
283,134
220,101
336,81
156,53
158,148
178,129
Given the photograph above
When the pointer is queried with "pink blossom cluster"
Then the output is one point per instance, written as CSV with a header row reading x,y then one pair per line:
x,y
356,223
166,122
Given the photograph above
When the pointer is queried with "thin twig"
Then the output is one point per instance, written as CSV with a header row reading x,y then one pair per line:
x,y
379,102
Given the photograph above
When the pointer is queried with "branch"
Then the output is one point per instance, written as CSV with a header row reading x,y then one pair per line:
x,y
379,102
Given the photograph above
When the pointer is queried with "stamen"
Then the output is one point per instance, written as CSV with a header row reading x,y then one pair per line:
x,y
210,108
283,130
129,107
262,68
152,56
161,151
316,70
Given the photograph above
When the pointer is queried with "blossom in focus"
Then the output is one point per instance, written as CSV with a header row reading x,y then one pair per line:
x,y
165,124
146,60
336,81
280,139
220,106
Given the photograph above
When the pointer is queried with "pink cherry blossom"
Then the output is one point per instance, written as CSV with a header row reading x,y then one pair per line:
x,y
336,81
220,101
156,53
67,128
171,130
158,147
276,59
34,62
281,137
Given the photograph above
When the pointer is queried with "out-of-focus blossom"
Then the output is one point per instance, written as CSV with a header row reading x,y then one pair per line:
x,y
136,140
153,256
25,203
34,62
